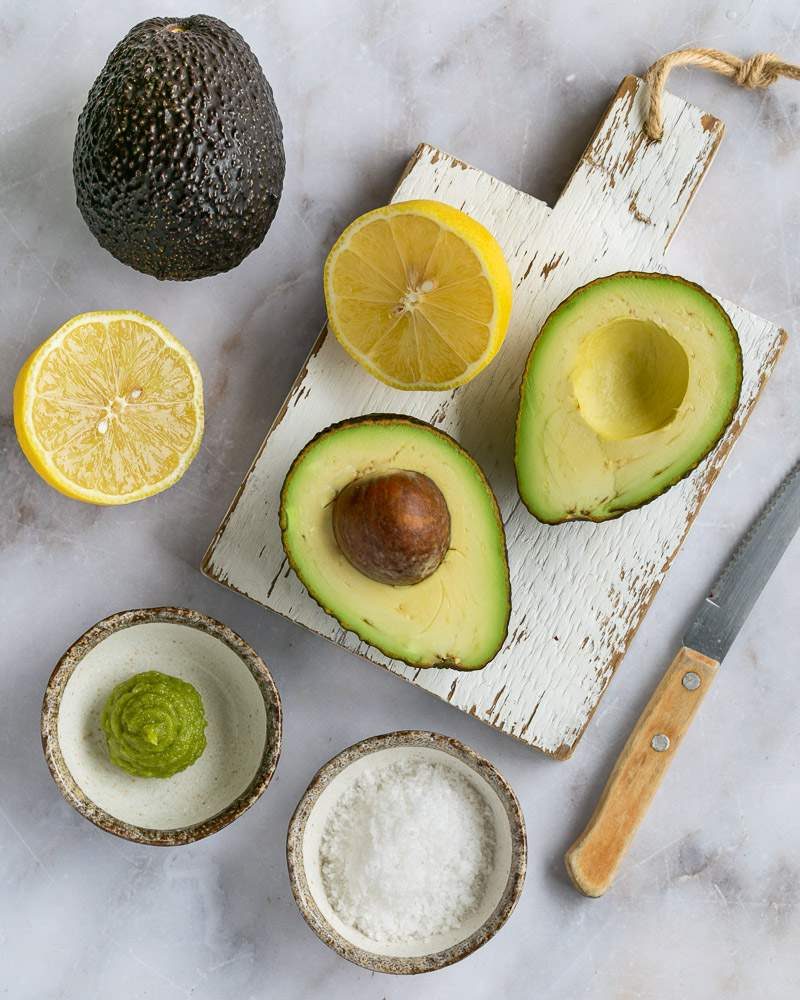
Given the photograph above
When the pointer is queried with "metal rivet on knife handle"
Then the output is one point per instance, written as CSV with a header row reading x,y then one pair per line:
x,y
660,742
691,680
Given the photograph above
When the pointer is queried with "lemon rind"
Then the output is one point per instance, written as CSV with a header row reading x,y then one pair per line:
x,y
483,245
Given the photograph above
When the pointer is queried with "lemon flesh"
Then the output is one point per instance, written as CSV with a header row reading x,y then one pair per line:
x,y
419,294
109,409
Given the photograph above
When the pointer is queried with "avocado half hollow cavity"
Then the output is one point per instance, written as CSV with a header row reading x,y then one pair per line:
x,y
631,382
394,531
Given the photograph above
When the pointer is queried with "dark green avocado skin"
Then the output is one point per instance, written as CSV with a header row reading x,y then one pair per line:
x,y
178,160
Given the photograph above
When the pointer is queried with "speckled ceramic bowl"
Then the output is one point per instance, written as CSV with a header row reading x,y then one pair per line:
x,y
243,733
503,883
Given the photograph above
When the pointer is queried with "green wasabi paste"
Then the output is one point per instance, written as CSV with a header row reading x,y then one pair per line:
x,y
154,725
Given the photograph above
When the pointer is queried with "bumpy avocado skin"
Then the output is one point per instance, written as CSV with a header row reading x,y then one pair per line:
x,y
178,160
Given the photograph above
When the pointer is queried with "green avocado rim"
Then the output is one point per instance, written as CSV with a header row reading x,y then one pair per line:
x,y
395,418
646,275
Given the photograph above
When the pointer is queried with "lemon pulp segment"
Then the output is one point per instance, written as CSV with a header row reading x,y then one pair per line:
x,y
419,294
110,408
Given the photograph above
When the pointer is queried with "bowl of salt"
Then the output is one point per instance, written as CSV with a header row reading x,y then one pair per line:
x,y
407,852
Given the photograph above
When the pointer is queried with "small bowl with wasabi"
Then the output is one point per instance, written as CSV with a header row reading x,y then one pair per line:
x,y
407,852
161,725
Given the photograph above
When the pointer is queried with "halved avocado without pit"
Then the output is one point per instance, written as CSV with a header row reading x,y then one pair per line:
x,y
393,529
631,382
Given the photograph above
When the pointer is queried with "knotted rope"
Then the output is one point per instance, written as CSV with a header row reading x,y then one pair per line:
x,y
760,70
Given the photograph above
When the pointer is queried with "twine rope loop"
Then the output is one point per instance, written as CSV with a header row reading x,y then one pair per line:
x,y
759,71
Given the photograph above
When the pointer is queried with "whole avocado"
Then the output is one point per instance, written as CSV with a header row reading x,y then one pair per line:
x,y
178,160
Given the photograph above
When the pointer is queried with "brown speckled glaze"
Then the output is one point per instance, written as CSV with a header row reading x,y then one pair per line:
x,y
73,793
422,963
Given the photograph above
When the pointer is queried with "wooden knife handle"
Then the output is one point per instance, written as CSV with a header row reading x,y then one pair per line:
x,y
594,858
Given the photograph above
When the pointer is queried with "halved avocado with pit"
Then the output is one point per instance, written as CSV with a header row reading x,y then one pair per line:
x,y
630,384
375,483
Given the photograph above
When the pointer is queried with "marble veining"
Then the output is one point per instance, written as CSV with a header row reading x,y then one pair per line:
x,y
708,904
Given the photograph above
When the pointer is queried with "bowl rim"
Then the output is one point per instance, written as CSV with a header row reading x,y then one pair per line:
x,y
406,965
70,789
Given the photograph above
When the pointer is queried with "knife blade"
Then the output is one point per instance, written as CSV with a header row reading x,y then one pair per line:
x,y
725,609
593,860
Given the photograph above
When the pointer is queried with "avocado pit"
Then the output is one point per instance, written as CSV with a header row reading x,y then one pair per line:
x,y
393,527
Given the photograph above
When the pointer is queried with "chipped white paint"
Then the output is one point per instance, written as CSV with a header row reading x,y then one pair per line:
x,y
579,590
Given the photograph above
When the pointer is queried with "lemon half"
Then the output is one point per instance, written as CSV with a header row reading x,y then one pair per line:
x,y
419,294
109,409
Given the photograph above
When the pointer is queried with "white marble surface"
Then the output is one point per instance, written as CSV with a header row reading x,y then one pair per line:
x,y
709,901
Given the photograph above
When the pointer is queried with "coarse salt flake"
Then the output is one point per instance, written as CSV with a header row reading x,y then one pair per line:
x,y
406,851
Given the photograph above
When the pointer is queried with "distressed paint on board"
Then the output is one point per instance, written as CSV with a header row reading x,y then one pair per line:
x,y
578,590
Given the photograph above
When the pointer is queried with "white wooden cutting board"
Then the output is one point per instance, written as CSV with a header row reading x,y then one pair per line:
x,y
578,590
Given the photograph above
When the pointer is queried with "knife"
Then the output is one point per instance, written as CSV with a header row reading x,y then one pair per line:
x,y
593,860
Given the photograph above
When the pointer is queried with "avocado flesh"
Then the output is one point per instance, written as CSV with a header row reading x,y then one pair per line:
x,y
178,161
457,616
632,381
